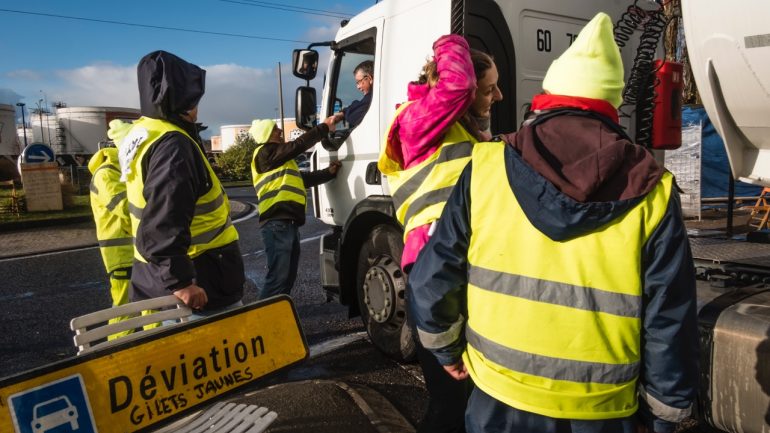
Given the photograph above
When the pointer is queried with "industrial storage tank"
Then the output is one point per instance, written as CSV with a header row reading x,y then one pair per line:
x,y
230,133
9,142
80,129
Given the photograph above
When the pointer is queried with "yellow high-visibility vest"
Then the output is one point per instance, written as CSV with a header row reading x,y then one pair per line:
x,y
110,207
554,326
420,192
211,226
281,184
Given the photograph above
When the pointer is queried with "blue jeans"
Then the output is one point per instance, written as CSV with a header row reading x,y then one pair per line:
x,y
281,239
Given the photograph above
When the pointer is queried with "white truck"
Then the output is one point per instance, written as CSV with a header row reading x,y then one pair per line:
x,y
360,258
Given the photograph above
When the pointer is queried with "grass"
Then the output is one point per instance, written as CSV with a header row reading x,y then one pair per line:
x,y
75,207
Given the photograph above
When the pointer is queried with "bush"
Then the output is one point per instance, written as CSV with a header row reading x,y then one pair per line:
x,y
235,162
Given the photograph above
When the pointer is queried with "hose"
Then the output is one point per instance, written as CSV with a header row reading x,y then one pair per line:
x,y
640,88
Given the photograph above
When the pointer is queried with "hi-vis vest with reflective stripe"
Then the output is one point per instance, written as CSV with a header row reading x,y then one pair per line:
x,y
554,327
115,242
211,226
281,184
420,192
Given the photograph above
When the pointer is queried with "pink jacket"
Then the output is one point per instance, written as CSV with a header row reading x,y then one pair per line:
x,y
419,129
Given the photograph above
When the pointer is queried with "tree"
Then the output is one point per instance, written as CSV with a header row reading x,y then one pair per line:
x,y
235,162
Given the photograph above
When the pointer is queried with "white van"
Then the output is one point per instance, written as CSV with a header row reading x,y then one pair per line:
x,y
360,259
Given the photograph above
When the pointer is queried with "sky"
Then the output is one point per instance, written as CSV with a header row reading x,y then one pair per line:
x,y
85,52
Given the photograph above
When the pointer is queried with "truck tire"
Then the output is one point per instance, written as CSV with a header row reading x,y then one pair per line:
x,y
381,290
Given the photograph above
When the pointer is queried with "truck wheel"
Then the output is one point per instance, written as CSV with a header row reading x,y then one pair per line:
x,y
381,289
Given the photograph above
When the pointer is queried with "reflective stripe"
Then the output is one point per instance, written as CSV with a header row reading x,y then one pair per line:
x,y
549,367
449,152
211,206
134,210
93,188
117,242
276,175
273,193
552,292
199,209
662,410
440,195
117,198
210,235
442,339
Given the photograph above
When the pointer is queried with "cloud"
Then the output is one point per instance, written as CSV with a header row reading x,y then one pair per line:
x,y
24,74
234,94
98,85
9,97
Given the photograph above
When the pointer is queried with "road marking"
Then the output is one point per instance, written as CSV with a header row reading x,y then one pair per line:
x,y
302,241
49,253
327,346
16,297
252,213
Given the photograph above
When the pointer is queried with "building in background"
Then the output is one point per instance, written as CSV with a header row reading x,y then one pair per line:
x,y
230,133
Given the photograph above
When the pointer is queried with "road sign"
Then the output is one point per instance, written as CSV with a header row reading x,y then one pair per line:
x,y
160,377
37,152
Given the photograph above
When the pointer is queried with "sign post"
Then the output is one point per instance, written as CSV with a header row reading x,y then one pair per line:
x,y
130,387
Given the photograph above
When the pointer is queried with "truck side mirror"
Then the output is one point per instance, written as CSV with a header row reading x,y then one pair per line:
x,y
304,64
305,108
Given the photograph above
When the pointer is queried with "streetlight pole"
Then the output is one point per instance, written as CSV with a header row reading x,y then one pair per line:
x,y
23,122
40,116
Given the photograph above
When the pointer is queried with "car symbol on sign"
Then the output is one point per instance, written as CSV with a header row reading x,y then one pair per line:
x,y
53,413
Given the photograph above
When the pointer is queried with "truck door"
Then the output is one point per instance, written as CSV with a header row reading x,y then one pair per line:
x,y
485,28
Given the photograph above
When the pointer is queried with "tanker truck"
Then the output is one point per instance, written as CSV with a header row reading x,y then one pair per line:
x,y
729,49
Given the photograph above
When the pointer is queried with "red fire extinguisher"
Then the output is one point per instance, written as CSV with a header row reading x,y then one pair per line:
x,y
667,116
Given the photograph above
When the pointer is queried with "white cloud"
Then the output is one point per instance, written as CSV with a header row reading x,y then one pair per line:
x,y
234,94
98,85
24,74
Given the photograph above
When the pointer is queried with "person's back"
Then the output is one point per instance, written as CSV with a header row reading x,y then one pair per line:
x,y
580,300
113,227
185,242
281,197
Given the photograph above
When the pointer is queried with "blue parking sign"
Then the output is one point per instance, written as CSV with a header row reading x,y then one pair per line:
x,y
55,407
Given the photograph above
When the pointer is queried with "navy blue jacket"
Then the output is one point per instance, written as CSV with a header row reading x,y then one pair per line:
x,y
437,292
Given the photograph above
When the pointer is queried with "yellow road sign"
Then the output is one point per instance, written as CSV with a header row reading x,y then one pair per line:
x,y
130,387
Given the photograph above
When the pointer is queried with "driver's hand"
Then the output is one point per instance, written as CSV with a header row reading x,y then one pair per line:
x,y
334,166
329,121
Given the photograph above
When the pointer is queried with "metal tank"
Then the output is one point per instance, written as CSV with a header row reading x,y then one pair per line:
x,y
9,142
78,130
229,133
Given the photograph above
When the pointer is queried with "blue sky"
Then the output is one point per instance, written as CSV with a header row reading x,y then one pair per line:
x,y
92,62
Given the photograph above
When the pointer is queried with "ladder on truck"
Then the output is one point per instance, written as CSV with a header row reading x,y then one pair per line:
x,y
760,211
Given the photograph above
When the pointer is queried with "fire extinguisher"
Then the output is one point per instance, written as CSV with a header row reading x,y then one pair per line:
x,y
667,115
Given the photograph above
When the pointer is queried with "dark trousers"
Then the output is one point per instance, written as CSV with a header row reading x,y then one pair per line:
x,y
281,239
488,415
447,397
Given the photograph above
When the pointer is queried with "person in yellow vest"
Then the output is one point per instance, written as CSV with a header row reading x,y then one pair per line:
x,y
281,197
560,277
184,240
113,227
427,146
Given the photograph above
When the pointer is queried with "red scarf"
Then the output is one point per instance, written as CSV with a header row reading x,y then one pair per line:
x,y
548,102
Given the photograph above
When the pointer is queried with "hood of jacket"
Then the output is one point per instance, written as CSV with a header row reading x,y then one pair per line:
x,y
168,86
573,174
106,155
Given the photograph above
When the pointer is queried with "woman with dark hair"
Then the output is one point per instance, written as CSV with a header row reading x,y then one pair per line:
x,y
428,145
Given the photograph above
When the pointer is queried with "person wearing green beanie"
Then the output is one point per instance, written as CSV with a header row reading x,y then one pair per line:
x,y
559,276
281,197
